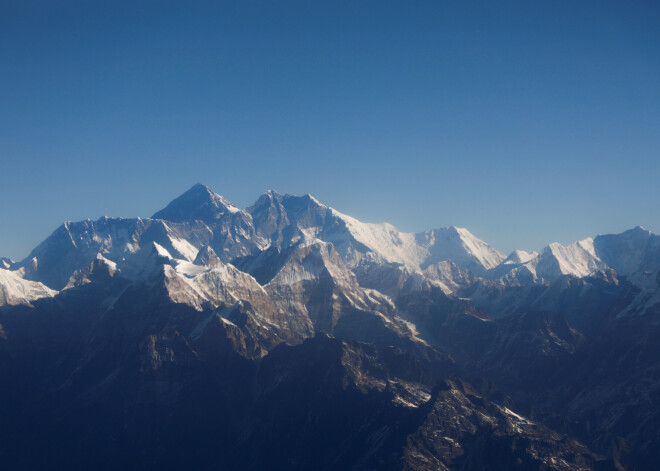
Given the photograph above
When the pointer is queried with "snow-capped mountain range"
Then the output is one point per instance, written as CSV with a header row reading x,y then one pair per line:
x,y
237,328
201,221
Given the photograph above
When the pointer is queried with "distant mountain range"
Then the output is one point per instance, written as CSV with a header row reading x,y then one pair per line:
x,y
291,336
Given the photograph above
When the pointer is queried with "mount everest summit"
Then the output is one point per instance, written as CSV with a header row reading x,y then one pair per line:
x,y
331,343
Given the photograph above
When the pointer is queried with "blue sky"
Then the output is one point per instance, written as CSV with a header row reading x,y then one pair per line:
x,y
525,121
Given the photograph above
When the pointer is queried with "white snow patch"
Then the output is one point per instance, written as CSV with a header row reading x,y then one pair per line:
x,y
112,266
185,248
520,256
510,413
378,297
385,240
16,290
578,259
162,251
484,253
189,269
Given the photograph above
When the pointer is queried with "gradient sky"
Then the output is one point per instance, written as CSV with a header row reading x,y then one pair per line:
x,y
525,121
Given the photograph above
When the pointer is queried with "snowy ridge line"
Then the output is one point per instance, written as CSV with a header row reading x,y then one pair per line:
x,y
203,222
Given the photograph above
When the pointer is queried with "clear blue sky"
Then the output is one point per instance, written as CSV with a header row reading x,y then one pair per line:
x,y
524,121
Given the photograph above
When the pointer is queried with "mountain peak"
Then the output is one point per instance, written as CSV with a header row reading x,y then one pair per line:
x,y
639,230
16,290
461,246
267,199
207,257
198,203
519,256
200,186
314,200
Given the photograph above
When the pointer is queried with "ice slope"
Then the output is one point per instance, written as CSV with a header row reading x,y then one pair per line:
x,y
578,259
16,290
75,245
458,245
385,241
